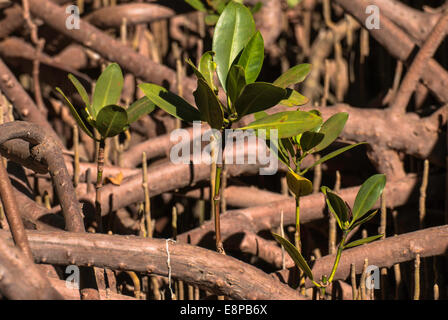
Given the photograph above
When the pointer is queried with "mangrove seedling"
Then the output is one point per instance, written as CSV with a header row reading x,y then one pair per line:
x,y
347,219
237,58
104,115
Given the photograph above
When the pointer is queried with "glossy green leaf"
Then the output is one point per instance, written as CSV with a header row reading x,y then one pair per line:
x,y
209,105
197,4
332,155
258,96
108,88
293,99
332,128
139,108
236,81
82,92
260,115
233,31
310,139
354,224
362,241
288,123
252,57
294,75
111,120
279,151
81,120
288,146
368,195
170,102
337,206
295,255
207,67
211,19
298,185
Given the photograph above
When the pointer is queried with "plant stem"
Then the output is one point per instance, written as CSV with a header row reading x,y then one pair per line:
x,y
338,256
298,243
217,195
99,184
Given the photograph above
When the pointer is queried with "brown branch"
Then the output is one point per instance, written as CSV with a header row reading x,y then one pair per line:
x,y
22,102
135,13
12,21
400,46
384,253
109,47
416,70
20,278
215,272
12,212
45,148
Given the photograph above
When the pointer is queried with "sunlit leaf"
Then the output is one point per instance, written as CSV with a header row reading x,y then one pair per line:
x,y
332,155
293,99
295,255
211,19
368,195
80,120
236,81
260,115
170,102
252,57
108,88
207,68
298,185
209,105
363,220
258,96
233,31
111,120
294,75
332,128
362,241
139,108
197,4
287,123
82,92
337,206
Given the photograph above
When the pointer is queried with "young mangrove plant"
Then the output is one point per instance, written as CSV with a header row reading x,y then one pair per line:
x,y
105,116
347,218
237,59
292,151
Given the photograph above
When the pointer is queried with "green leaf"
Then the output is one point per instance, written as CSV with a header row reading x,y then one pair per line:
x,y
170,102
82,92
298,185
362,241
218,5
139,108
197,4
260,115
258,96
279,150
288,123
332,155
337,206
233,31
111,120
332,128
252,57
257,7
295,255
236,81
209,105
293,99
310,139
108,88
211,19
81,120
363,220
294,75
207,68
368,195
